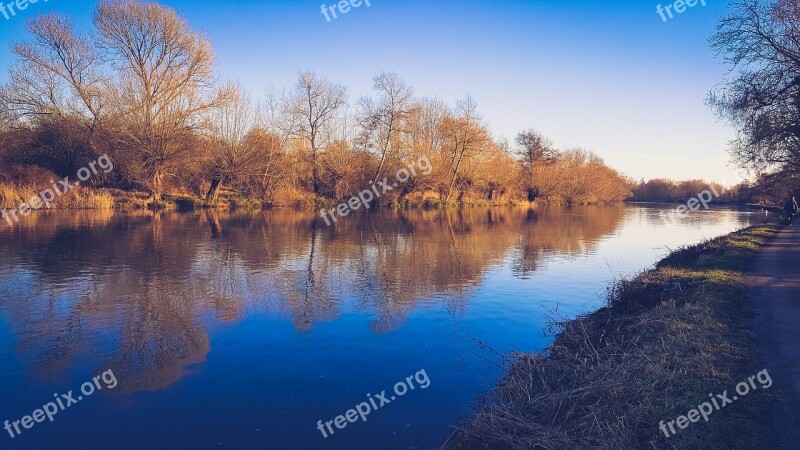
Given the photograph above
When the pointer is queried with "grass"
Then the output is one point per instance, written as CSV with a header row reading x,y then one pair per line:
x,y
11,197
664,340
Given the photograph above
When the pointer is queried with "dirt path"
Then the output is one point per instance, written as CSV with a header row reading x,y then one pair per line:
x,y
775,286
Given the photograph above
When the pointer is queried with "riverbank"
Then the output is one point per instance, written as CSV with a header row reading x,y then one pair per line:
x,y
12,196
665,340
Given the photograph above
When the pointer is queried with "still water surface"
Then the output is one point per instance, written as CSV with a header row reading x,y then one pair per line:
x,y
242,331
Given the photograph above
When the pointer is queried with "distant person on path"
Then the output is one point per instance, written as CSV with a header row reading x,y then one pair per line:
x,y
791,209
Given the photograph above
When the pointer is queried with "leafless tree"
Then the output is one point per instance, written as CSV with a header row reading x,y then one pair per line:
x,y
58,75
534,150
384,119
428,117
760,41
280,125
316,103
165,86
235,154
465,137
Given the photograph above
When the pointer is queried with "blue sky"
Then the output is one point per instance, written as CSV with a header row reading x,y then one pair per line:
x,y
610,77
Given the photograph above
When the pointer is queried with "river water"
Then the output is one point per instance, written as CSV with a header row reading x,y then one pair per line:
x,y
244,331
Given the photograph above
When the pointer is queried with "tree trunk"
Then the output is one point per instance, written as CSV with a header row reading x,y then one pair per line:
x,y
213,192
314,170
453,181
383,155
158,185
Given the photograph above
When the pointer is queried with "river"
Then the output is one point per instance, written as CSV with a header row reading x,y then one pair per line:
x,y
246,331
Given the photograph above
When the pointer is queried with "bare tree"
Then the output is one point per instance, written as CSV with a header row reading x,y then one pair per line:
x,y
57,74
760,41
383,121
235,154
534,149
280,124
464,138
166,83
317,101
424,130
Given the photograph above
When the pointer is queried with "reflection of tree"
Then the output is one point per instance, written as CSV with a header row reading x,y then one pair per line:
x,y
160,335
310,301
571,231
139,292
114,294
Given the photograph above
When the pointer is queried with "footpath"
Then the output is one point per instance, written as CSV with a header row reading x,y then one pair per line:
x,y
775,287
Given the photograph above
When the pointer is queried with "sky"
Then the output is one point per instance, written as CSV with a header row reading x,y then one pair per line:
x,y
611,77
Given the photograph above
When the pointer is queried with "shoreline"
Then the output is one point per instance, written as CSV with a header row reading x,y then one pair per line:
x,y
664,340
131,200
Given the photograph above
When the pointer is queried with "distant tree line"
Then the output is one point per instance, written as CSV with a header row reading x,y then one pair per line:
x,y
663,190
766,189
142,88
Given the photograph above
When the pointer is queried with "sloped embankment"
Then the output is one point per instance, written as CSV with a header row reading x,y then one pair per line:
x,y
665,340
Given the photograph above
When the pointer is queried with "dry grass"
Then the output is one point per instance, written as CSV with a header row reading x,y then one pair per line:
x,y
84,198
12,197
130,200
20,184
664,341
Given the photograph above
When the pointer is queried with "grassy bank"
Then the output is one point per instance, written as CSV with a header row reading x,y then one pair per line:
x,y
665,340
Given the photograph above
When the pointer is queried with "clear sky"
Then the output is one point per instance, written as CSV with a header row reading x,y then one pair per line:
x,y
608,76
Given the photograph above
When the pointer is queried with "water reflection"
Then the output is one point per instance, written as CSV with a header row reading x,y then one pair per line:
x,y
138,292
